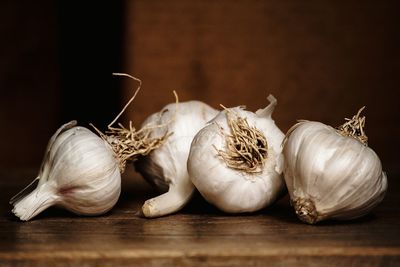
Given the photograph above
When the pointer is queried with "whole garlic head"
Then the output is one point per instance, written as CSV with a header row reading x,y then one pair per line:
x,y
329,175
79,172
231,189
165,167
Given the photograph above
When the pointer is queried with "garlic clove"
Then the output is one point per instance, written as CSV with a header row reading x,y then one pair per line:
x,y
165,167
173,200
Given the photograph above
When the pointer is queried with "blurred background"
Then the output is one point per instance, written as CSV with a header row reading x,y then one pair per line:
x,y
322,60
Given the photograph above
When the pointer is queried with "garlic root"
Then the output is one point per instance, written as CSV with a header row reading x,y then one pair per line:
x,y
305,210
171,201
246,146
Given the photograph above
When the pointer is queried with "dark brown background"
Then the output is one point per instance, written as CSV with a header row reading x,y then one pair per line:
x,y
323,60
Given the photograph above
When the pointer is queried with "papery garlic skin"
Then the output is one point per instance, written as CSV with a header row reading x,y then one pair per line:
x,y
231,190
165,167
330,176
79,172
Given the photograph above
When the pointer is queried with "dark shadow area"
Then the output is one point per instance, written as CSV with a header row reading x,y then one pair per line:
x,y
199,206
90,50
285,213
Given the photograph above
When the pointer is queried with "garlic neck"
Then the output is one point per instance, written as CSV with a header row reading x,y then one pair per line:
x,y
34,203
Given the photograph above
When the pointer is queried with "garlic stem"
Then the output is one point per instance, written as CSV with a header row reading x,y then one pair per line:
x,y
19,200
31,205
24,191
169,202
267,112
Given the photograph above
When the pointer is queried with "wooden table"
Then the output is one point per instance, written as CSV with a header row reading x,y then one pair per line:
x,y
197,236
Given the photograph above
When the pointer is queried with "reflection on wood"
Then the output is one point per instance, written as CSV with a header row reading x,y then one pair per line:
x,y
200,235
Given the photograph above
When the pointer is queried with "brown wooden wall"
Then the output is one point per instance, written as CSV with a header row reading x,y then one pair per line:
x,y
321,59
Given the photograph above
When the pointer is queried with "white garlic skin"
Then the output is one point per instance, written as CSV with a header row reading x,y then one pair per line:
x,y
231,190
337,177
79,173
165,167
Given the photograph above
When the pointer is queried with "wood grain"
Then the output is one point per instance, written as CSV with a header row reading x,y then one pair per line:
x,y
200,235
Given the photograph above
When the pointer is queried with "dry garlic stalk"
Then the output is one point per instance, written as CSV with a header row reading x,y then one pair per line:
x,y
128,143
332,173
235,161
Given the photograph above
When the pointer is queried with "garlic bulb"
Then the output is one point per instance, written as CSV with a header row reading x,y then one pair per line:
x,y
235,161
79,172
332,173
165,167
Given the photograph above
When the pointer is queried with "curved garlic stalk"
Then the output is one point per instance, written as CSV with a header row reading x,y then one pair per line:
x,y
128,143
165,167
332,173
79,172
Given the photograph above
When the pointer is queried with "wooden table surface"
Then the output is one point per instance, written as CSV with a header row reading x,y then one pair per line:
x,y
197,236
